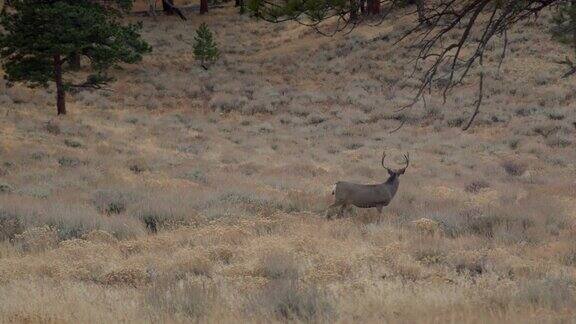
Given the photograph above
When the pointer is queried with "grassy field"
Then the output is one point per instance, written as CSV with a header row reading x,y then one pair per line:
x,y
234,168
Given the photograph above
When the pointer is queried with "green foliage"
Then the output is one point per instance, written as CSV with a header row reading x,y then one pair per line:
x,y
315,10
564,30
125,4
38,34
205,48
254,7
404,3
564,24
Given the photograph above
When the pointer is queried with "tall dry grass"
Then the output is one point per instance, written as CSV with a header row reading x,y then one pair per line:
x,y
198,196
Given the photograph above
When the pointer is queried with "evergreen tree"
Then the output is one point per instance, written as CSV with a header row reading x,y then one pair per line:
x,y
40,36
564,31
205,49
240,3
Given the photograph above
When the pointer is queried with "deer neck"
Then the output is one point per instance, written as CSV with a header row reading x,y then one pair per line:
x,y
392,184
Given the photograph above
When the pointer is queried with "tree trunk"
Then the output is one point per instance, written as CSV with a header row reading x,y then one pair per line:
x,y
353,10
375,7
237,3
203,6
74,61
60,93
167,7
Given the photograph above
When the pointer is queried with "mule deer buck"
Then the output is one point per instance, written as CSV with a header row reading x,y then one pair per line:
x,y
377,196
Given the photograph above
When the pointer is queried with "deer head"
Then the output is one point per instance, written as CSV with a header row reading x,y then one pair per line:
x,y
396,172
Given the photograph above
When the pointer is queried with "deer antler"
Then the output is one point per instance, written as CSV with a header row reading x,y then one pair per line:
x,y
383,157
407,159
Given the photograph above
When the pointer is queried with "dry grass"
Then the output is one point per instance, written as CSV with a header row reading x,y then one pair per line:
x,y
191,195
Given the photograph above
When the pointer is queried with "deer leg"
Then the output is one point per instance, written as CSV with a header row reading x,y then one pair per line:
x,y
379,208
349,209
341,212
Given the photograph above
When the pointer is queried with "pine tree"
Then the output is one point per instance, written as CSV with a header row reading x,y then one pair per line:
x,y
240,3
564,31
205,49
40,36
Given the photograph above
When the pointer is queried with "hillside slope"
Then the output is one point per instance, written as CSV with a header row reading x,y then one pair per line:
x,y
234,167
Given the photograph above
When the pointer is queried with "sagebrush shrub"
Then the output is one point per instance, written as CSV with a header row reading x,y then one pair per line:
x,y
10,225
109,201
289,300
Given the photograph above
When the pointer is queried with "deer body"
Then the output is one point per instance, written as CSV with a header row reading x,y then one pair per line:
x,y
367,196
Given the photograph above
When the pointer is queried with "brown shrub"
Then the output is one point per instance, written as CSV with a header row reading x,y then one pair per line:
x,y
99,236
514,168
37,239
126,276
279,265
10,225
427,226
289,300
476,186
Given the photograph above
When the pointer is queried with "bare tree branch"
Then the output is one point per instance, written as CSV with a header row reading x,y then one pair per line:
x,y
449,38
